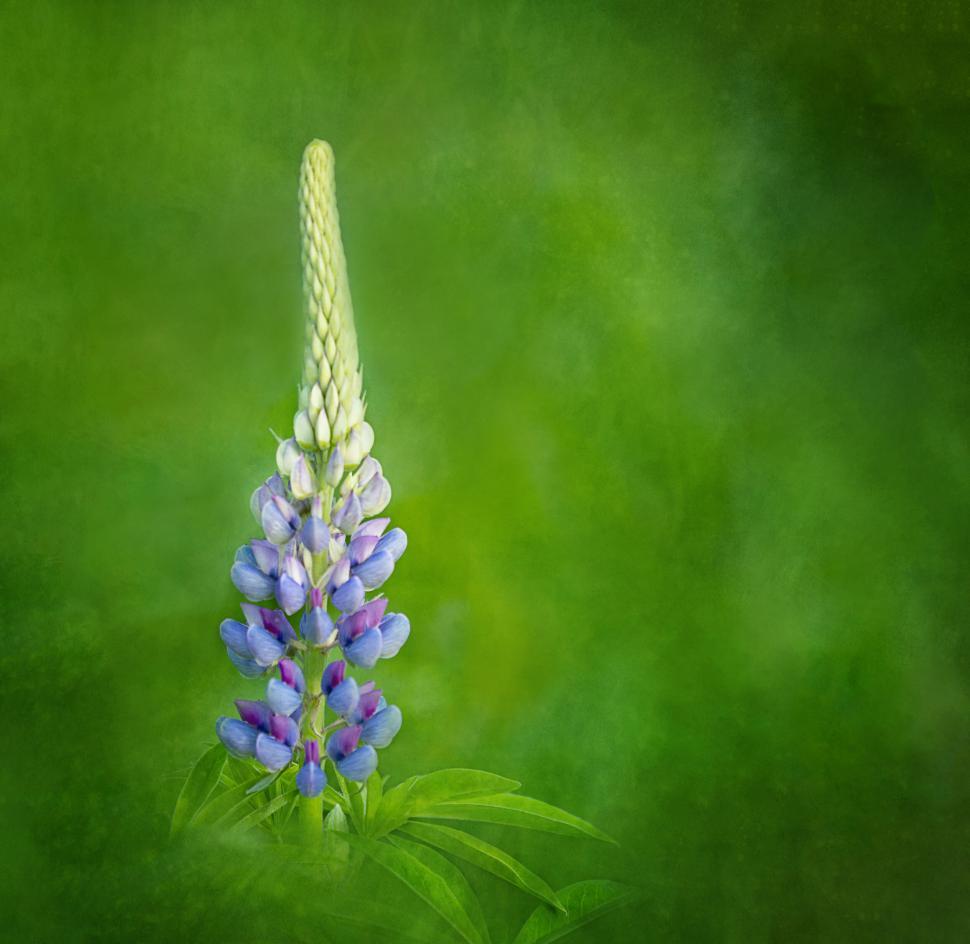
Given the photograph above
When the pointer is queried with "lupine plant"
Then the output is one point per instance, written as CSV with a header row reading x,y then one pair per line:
x,y
315,622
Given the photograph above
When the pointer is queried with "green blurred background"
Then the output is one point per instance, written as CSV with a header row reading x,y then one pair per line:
x,y
663,310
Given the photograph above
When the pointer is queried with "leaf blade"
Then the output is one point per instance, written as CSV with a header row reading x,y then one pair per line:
x,y
425,882
512,809
485,856
198,786
584,901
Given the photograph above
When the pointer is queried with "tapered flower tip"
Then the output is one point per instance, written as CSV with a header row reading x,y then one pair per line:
x,y
349,596
256,713
282,699
284,729
333,675
238,737
361,548
266,556
374,526
303,430
353,448
311,780
287,453
289,594
292,675
279,520
265,647
394,542
233,634
301,479
359,765
365,650
342,700
380,729
395,629
369,703
272,754
375,570
272,486
248,668
349,514
315,535
251,582
343,742
375,495
316,627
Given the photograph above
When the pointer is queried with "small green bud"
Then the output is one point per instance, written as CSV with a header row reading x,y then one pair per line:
x,y
322,431
287,452
303,430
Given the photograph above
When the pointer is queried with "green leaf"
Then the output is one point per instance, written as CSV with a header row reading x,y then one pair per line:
x,y
452,875
375,791
584,902
510,809
263,782
427,883
198,785
264,812
476,851
219,808
418,793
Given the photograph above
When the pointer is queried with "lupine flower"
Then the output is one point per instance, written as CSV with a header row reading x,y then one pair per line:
x,y
323,545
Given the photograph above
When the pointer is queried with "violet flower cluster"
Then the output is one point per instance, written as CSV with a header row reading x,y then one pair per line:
x,y
315,557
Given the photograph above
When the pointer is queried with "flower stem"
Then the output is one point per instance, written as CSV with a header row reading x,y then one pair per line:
x,y
311,808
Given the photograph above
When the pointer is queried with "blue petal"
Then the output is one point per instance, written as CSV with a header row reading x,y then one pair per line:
x,y
343,699
275,524
245,556
359,765
315,535
272,754
394,542
395,629
289,594
379,729
282,699
251,582
238,737
316,626
349,596
245,667
266,556
365,650
310,780
266,648
233,634
375,570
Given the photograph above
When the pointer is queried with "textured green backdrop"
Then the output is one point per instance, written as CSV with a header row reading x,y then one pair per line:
x,y
663,310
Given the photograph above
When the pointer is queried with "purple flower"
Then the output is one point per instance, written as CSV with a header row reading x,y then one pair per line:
x,y
255,713
375,495
379,730
291,587
315,535
353,762
375,526
279,519
395,629
251,582
339,690
348,596
238,737
271,753
374,570
394,542
310,780
272,486
349,514
316,627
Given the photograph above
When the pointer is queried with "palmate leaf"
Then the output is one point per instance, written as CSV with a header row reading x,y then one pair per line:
x,y
419,793
511,809
477,852
198,786
431,877
584,902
